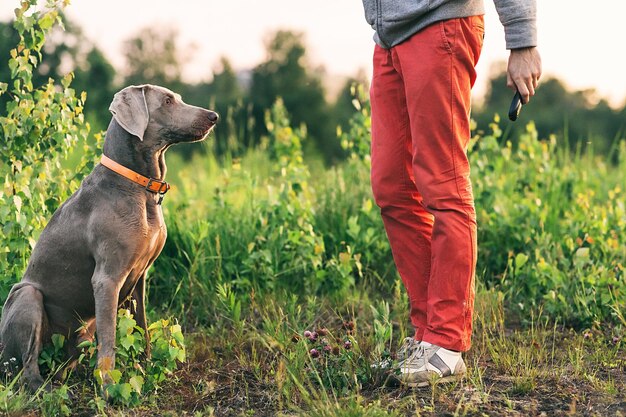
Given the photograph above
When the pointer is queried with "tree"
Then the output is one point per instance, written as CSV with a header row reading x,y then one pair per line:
x,y
38,127
225,85
579,117
97,76
225,95
285,73
68,51
233,135
154,57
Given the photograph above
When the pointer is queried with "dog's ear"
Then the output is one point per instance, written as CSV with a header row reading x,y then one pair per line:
x,y
130,110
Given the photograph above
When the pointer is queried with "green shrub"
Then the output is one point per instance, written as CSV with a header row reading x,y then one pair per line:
x,y
135,379
550,225
39,126
250,240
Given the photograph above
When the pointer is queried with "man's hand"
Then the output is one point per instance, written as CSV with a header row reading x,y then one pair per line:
x,y
523,71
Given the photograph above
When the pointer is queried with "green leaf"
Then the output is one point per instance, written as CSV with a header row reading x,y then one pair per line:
x,y
116,375
58,340
178,335
84,344
126,325
125,391
127,341
582,253
18,203
173,353
97,373
47,20
520,260
136,383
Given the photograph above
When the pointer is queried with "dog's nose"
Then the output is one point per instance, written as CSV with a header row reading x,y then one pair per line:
x,y
213,117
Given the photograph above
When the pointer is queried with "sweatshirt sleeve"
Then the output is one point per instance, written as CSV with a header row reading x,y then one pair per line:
x,y
519,18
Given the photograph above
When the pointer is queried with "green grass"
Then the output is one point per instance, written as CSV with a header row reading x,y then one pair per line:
x,y
262,248
551,231
258,368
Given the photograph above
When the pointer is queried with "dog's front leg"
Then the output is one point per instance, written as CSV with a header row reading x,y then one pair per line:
x,y
106,294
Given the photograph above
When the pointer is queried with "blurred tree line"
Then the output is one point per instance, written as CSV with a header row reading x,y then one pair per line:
x,y
580,118
242,97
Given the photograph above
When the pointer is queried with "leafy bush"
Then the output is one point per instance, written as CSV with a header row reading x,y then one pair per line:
x,y
39,127
134,378
551,227
251,240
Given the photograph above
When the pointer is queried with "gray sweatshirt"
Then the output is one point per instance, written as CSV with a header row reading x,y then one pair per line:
x,y
397,20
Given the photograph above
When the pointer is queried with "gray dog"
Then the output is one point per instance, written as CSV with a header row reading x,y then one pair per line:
x,y
94,253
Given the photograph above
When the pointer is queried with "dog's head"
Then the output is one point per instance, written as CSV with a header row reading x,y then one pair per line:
x,y
157,114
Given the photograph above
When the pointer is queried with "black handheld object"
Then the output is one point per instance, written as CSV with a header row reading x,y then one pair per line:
x,y
516,106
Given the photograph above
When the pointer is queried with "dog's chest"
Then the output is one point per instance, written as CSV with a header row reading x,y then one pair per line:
x,y
156,233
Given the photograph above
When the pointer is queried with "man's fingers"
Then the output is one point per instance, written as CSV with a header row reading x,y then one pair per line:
x,y
526,87
531,91
509,82
523,91
523,71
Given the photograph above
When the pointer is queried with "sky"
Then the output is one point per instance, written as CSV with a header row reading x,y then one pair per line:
x,y
579,43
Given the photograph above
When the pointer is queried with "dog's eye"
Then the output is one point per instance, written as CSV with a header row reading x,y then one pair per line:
x,y
168,101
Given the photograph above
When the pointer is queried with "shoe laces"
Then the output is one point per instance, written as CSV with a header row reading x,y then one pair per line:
x,y
408,348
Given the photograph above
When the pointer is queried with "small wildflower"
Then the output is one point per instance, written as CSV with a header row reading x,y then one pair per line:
x,y
348,325
327,348
616,340
314,353
307,334
313,337
335,350
347,345
323,331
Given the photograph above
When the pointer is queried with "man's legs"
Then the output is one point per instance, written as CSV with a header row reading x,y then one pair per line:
x,y
420,110
408,224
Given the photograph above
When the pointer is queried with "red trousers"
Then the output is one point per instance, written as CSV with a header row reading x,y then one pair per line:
x,y
420,97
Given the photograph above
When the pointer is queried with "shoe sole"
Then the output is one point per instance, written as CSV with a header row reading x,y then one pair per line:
x,y
423,384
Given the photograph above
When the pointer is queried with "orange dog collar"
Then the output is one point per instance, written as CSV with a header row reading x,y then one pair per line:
x,y
150,184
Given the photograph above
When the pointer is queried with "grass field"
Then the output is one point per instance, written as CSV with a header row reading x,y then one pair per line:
x,y
264,247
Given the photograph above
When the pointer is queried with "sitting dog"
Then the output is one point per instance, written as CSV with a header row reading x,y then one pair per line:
x,y
94,253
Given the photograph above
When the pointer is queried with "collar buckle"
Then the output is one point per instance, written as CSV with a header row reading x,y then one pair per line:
x,y
163,188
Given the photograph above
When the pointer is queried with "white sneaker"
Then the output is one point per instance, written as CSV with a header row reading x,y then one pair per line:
x,y
409,345
431,364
